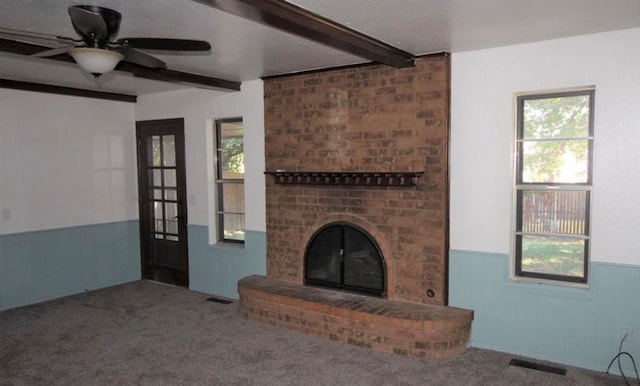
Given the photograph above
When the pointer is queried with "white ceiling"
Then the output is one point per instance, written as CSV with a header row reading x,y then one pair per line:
x,y
243,50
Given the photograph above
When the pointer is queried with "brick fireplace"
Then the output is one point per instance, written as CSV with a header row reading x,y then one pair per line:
x,y
373,121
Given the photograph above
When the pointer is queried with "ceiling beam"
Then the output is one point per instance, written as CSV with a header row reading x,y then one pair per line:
x,y
53,89
298,21
165,75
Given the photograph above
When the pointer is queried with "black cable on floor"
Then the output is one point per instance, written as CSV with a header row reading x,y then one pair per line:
x,y
621,353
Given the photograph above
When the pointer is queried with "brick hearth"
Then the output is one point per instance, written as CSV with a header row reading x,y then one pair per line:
x,y
384,325
365,119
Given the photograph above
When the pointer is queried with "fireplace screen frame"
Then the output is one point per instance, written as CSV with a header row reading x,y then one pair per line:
x,y
342,258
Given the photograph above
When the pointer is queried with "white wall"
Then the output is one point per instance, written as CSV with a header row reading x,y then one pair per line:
x,y
199,108
216,268
482,129
65,161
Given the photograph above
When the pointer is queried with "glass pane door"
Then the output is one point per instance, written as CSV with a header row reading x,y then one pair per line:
x,y
162,191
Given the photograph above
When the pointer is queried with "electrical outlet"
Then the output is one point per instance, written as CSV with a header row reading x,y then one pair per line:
x,y
628,331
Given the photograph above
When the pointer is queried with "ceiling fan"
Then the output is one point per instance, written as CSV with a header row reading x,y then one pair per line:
x,y
98,52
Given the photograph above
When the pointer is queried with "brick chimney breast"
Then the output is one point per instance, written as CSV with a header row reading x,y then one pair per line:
x,y
369,118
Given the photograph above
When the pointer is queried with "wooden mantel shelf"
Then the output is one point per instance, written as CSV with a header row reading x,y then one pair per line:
x,y
347,178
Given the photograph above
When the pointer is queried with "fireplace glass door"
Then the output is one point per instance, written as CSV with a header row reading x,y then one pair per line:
x,y
343,256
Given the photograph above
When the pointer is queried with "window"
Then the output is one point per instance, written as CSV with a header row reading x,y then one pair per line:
x,y
553,185
230,180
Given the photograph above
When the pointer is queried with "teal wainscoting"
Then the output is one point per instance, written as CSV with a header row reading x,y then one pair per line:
x,y
575,326
48,264
216,269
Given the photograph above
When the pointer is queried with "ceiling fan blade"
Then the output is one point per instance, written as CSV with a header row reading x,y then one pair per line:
x,y
52,52
165,44
33,35
88,23
138,57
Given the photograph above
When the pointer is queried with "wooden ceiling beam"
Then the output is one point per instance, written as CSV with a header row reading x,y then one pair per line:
x,y
165,75
298,21
60,90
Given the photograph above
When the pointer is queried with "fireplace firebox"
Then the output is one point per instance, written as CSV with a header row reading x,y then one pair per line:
x,y
344,256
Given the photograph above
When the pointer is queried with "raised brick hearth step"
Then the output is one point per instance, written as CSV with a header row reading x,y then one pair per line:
x,y
384,325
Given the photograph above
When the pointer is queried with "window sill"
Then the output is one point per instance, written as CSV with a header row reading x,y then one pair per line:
x,y
549,288
229,247
560,283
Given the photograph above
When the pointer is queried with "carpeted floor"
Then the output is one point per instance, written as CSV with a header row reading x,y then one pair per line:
x,y
145,333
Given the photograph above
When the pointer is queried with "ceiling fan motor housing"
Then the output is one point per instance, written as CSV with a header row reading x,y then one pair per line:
x,y
89,33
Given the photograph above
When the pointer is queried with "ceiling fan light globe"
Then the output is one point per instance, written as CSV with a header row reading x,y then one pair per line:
x,y
96,60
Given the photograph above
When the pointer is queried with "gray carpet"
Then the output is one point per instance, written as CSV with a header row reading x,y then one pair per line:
x,y
145,333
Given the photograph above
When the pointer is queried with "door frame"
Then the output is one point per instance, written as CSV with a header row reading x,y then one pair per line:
x,y
173,126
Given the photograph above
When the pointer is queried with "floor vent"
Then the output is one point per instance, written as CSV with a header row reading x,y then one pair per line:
x,y
538,366
219,300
